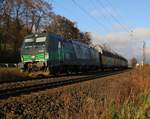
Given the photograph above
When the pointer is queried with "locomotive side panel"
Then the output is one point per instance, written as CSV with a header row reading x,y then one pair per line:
x,y
107,60
68,53
82,53
53,50
94,59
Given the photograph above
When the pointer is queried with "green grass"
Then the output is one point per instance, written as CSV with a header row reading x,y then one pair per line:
x,y
133,108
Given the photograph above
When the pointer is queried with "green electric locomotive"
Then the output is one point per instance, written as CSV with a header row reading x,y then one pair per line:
x,y
51,52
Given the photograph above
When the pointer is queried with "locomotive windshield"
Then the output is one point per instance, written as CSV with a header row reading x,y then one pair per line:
x,y
28,43
40,39
34,44
40,42
34,48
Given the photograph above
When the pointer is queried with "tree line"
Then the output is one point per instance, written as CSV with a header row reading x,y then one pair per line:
x,y
19,18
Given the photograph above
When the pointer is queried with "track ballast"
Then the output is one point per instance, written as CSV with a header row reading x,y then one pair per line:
x,y
11,92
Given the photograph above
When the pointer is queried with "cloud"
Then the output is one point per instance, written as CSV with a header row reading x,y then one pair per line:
x,y
148,52
141,33
121,27
127,44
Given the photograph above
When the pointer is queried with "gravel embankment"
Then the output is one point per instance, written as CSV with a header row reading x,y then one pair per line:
x,y
11,85
75,101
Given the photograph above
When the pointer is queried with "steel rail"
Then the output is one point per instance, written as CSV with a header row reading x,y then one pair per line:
x,y
4,94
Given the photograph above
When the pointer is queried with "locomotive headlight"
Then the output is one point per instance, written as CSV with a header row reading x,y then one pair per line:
x,y
46,56
33,56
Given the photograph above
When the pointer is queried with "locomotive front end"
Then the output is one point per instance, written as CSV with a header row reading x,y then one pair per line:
x,y
34,54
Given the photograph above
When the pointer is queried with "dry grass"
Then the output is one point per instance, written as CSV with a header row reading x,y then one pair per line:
x,y
11,74
123,96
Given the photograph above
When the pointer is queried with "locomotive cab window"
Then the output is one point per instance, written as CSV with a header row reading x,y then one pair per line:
x,y
28,43
40,42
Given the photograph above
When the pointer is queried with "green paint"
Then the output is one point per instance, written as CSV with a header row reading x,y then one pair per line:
x,y
38,57
57,55
26,58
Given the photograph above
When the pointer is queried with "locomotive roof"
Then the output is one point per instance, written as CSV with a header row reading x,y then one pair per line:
x,y
79,43
43,34
36,34
99,48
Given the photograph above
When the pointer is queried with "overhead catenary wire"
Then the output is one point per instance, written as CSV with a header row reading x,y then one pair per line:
x,y
104,16
68,10
90,16
65,9
113,17
110,4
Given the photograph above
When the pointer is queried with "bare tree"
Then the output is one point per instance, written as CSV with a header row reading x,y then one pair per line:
x,y
20,17
67,29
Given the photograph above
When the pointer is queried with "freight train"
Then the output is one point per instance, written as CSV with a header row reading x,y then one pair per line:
x,y
53,53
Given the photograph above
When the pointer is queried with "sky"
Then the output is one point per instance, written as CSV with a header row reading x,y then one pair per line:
x,y
121,25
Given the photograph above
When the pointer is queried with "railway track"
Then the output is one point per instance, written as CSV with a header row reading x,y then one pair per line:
x,y
11,92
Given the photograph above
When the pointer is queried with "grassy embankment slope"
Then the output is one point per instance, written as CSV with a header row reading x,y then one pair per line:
x,y
123,96
12,74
